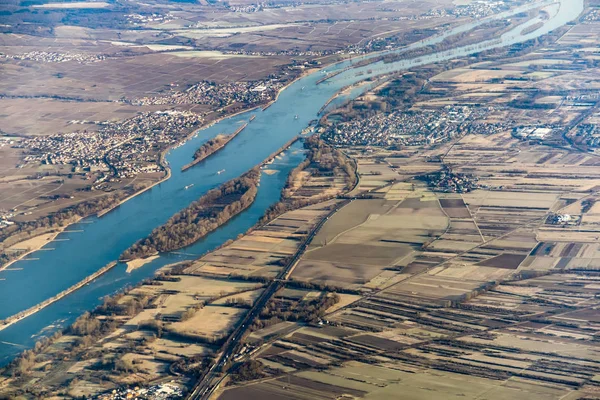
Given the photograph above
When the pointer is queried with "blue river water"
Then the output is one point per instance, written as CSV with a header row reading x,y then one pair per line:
x,y
87,246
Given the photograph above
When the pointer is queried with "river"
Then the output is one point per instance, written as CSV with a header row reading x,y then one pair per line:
x,y
94,242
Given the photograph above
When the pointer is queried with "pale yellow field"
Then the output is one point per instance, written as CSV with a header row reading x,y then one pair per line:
x,y
211,321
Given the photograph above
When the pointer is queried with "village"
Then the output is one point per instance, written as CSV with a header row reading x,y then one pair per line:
x,y
476,9
162,391
127,148
55,57
412,128
219,95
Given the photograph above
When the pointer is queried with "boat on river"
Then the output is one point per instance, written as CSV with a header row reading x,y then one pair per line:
x,y
99,243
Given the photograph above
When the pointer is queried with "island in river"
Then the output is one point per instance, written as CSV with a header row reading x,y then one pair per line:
x,y
201,217
212,146
123,226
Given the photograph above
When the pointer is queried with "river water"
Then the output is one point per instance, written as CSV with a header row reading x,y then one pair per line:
x,y
93,243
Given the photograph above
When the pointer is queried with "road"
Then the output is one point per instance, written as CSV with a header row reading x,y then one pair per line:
x,y
205,386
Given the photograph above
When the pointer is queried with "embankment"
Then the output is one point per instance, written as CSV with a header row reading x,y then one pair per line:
x,y
283,148
32,310
33,245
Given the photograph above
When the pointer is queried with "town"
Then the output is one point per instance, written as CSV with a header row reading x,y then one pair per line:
x,y
218,95
117,150
55,57
163,391
412,128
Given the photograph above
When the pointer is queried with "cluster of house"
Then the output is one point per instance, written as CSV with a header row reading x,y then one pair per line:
x,y
55,57
5,217
247,8
127,148
219,95
163,391
593,15
475,9
532,132
141,19
450,182
411,128
5,223
559,219
587,134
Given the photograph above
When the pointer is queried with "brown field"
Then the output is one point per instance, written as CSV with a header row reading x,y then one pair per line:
x,y
349,217
508,261
211,320
519,366
135,76
583,34
258,252
31,117
458,295
364,238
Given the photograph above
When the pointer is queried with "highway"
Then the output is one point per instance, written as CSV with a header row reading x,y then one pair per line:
x,y
206,385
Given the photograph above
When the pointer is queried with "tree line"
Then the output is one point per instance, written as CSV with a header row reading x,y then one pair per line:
x,y
211,146
310,311
25,230
324,160
201,217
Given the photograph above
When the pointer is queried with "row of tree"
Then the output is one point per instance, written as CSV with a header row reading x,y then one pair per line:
x,y
309,311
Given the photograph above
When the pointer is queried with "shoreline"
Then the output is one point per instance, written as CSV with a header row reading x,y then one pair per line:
x,y
277,152
58,231
203,127
13,319
100,214
134,264
215,151
156,253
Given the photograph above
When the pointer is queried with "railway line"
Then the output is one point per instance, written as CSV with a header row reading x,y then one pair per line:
x,y
210,381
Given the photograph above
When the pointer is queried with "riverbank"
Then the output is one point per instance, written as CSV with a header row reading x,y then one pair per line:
x,y
199,218
137,262
32,310
304,74
164,178
35,246
31,245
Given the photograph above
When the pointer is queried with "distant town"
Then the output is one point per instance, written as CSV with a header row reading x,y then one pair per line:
x,y
117,150
412,128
